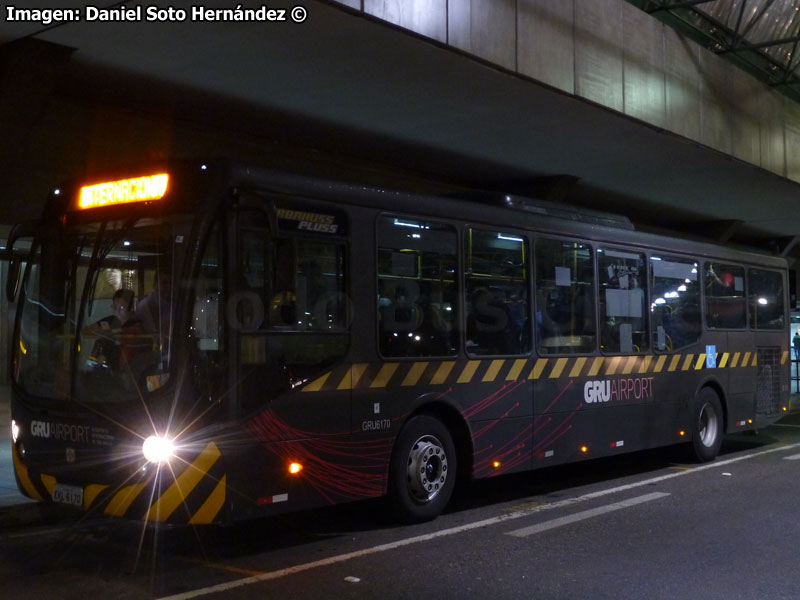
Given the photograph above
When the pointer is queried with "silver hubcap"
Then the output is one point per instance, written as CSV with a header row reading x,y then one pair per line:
x,y
708,425
427,468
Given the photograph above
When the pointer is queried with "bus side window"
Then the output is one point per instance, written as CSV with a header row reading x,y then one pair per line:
x,y
417,288
622,276
496,293
675,303
726,305
565,321
766,295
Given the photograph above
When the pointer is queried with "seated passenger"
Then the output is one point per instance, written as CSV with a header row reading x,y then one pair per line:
x,y
106,349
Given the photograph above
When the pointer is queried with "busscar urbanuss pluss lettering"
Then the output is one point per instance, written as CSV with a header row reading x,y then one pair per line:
x,y
48,16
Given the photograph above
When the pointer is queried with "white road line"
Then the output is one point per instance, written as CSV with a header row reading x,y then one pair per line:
x,y
222,587
587,514
793,457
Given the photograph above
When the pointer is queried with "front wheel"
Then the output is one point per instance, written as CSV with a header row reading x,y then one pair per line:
x,y
707,425
423,469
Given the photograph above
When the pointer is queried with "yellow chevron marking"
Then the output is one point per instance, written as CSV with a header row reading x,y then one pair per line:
x,y
516,369
613,365
49,483
211,507
122,500
350,379
384,375
317,384
624,364
183,485
442,372
784,357
414,373
629,365
493,370
577,367
595,368
469,371
541,363
90,493
22,475
559,366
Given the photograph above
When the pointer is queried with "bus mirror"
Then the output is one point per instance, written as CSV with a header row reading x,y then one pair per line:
x,y
20,230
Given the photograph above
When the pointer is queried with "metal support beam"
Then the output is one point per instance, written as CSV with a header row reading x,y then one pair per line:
x,y
784,245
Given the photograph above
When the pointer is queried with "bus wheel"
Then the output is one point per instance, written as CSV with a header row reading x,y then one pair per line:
x,y
423,469
707,425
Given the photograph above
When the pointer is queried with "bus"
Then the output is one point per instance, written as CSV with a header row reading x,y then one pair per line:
x,y
205,342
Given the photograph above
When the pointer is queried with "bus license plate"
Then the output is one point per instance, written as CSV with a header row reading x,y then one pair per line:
x,y
68,494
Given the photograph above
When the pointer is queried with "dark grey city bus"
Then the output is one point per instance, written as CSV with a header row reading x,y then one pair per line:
x,y
204,342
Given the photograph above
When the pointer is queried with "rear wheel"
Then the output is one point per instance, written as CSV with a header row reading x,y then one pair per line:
x,y
707,425
423,469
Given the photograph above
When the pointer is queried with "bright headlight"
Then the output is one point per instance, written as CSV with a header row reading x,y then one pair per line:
x,y
158,449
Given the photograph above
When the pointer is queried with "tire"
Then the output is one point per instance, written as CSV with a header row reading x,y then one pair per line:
x,y
707,425
423,470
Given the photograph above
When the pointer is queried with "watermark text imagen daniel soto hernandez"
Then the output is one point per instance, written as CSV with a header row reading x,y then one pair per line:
x,y
151,13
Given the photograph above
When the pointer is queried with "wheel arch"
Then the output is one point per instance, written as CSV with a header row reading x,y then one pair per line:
x,y
714,384
447,412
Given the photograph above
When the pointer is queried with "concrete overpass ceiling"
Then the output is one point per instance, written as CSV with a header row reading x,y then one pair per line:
x,y
760,36
344,84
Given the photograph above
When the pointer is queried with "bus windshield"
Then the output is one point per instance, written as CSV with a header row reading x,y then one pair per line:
x,y
96,316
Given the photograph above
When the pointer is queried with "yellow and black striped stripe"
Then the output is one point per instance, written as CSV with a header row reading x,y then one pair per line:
x,y
453,372
125,500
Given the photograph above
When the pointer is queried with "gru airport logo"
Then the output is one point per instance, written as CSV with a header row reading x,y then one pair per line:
x,y
623,389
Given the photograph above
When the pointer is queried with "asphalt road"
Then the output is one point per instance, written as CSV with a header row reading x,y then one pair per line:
x,y
642,526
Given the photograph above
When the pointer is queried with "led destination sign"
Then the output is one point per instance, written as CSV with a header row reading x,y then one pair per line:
x,y
138,189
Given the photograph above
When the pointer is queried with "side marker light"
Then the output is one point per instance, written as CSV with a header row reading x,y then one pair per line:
x,y
295,468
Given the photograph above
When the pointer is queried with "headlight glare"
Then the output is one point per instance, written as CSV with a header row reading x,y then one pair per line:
x,y
157,449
